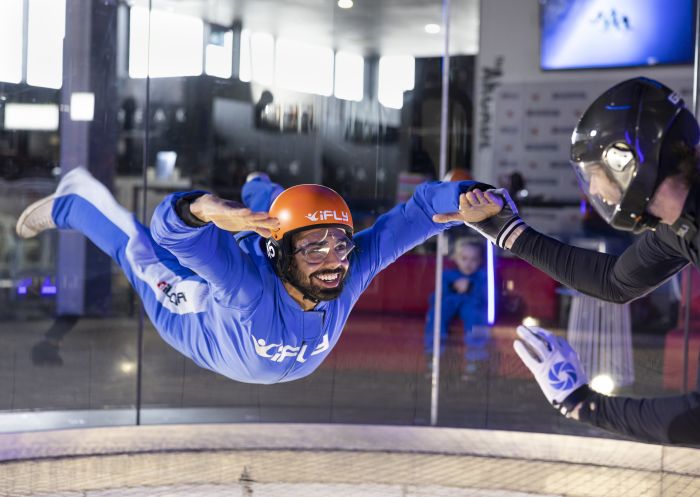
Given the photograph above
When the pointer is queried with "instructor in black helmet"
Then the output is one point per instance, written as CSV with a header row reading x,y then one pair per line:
x,y
634,153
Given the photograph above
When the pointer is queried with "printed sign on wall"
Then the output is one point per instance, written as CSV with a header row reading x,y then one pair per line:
x,y
532,126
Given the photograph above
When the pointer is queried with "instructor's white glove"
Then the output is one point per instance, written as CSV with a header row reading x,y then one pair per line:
x,y
554,364
498,228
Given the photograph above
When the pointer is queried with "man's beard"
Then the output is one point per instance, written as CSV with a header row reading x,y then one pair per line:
x,y
297,278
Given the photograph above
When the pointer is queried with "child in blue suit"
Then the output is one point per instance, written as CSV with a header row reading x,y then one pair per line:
x,y
464,295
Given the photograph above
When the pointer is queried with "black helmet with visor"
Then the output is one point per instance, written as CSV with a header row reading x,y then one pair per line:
x,y
616,149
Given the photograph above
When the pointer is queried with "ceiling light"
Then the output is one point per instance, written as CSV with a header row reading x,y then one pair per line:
x,y
432,29
345,4
82,106
37,117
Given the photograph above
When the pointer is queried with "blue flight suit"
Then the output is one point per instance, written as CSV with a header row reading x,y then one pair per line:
x,y
471,307
216,298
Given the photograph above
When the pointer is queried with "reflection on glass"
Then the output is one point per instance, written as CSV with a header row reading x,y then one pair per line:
x,y
11,50
304,68
432,29
257,57
176,44
38,117
82,106
219,53
46,29
396,75
245,72
349,76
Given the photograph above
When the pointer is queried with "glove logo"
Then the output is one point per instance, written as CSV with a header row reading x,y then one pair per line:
x,y
562,376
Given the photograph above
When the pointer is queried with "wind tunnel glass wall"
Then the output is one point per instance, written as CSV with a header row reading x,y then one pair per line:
x,y
629,350
68,315
306,102
230,93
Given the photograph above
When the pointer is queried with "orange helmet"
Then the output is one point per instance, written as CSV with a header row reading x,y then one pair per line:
x,y
299,208
309,206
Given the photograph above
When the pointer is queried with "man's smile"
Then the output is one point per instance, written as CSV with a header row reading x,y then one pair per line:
x,y
329,279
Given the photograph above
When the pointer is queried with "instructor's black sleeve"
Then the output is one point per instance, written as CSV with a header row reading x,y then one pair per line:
x,y
669,420
647,263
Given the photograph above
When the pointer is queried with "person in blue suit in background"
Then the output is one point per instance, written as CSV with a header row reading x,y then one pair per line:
x,y
464,295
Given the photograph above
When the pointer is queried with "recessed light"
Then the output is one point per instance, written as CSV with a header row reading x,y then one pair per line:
x,y
432,29
345,4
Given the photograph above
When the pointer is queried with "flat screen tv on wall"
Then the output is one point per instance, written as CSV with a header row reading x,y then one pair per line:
x,y
591,34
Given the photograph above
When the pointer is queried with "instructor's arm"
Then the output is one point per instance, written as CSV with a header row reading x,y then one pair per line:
x,y
666,420
647,263
557,369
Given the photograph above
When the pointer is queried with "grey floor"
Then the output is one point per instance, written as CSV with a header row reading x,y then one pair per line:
x,y
98,373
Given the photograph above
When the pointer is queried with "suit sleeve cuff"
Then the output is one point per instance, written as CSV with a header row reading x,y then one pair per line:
x,y
182,208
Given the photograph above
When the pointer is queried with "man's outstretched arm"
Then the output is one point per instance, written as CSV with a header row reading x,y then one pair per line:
x,y
196,227
408,225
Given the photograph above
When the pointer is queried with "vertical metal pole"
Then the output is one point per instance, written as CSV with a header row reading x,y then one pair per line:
x,y
444,115
142,214
689,280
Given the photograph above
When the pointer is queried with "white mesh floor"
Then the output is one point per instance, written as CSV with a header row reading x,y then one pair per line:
x,y
331,473
336,460
295,490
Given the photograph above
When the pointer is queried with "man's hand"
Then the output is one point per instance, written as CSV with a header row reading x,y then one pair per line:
x,y
554,364
474,206
233,216
461,285
492,213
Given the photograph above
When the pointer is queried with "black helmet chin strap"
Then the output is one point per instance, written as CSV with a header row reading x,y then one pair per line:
x,y
274,254
285,278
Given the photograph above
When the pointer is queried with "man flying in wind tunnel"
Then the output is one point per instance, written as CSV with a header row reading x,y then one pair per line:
x,y
634,151
266,304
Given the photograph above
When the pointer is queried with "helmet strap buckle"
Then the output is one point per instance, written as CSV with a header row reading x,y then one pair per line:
x,y
646,222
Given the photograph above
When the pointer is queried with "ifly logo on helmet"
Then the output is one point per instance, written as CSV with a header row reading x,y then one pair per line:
x,y
328,216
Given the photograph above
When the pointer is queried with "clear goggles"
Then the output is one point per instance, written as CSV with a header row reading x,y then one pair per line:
x,y
316,250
